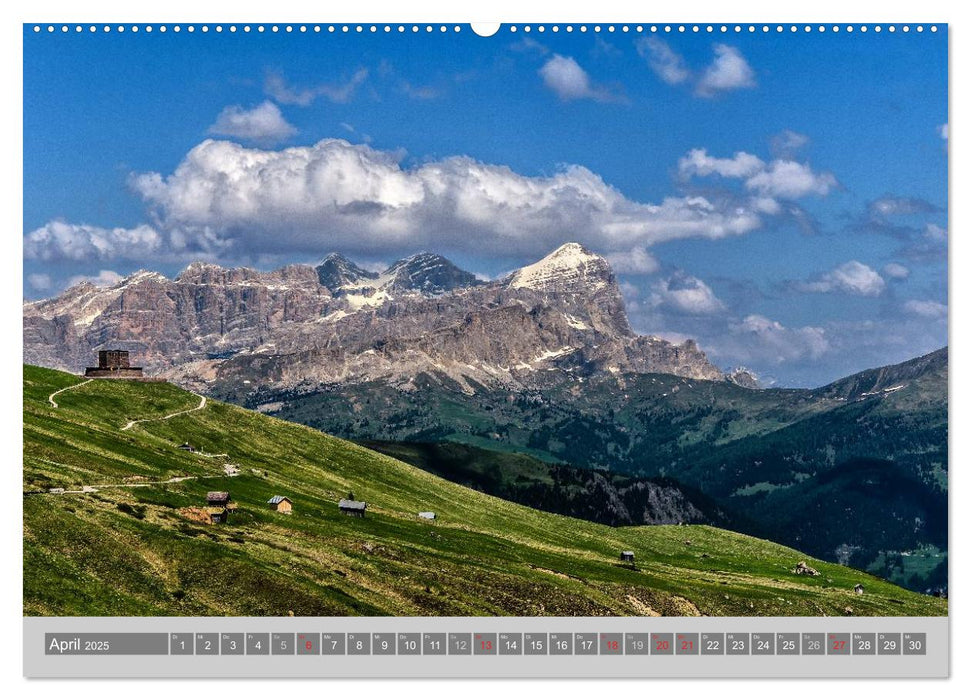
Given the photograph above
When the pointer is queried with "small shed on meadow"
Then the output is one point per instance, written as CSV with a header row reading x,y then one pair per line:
x,y
187,447
627,556
353,508
858,589
426,515
217,515
218,498
281,504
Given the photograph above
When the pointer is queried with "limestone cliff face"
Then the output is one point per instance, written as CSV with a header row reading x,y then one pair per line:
x,y
557,319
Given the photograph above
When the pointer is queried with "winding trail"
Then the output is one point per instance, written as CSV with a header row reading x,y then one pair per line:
x,y
202,405
73,386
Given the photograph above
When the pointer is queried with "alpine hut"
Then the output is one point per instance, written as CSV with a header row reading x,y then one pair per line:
x,y
353,508
281,504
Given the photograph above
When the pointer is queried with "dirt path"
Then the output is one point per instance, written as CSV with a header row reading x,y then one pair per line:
x,y
73,386
202,405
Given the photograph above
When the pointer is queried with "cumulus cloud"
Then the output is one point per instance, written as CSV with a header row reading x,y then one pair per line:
x,y
58,240
729,71
636,261
666,63
782,179
685,294
926,309
277,87
740,165
39,281
350,196
896,271
104,278
757,339
852,277
787,144
263,124
564,76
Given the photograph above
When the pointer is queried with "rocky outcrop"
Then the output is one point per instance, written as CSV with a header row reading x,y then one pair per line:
x,y
560,318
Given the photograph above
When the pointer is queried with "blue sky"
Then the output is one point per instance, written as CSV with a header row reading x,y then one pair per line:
x,y
780,197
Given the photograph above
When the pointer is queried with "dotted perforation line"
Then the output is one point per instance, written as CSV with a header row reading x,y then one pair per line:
x,y
512,29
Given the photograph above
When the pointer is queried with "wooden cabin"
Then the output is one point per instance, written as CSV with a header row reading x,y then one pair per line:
x,y
187,447
217,515
858,589
627,556
218,499
281,504
353,508
426,515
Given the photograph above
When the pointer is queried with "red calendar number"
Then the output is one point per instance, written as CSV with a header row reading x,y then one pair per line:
x,y
613,646
662,645
838,644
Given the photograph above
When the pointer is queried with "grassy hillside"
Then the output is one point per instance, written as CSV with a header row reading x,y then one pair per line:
x,y
781,460
129,547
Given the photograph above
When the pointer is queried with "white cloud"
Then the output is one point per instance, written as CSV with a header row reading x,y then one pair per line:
x,y
58,240
942,131
685,294
698,162
39,281
926,309
666,63
276,86
787,144
935,233
757,339
105,278
729,71
264,124
790,180
636,261
852,277
420,92
564,76
337,195
783,179
896,271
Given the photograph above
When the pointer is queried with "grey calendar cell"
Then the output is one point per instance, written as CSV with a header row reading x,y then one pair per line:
x,y
359,643
510,643
180,643
308,643
888,643
383,643
737,643
207,643
282,643
409,643
561,643
331,644
484,643
637,643
231,644
459,643
257,643
763,643
915,643
686,643
838,643
535,643
813,644
662,643
433,644
712,643
864,644
585,643
787,643
611,643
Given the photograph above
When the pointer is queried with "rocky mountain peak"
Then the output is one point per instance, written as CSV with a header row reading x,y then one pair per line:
x,y
570,267
337,272
429,274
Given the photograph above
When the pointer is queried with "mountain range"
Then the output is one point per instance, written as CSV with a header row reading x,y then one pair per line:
x,y
301,326
542,363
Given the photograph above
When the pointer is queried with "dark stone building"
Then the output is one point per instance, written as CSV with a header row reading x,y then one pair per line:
x,y
114,364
